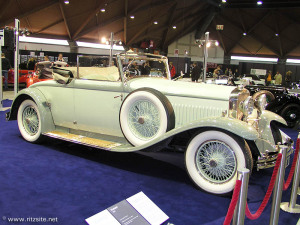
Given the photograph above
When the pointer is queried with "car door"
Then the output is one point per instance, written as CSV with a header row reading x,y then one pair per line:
x,y
97,106
61,101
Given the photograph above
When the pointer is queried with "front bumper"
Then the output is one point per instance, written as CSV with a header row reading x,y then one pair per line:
x,y
268,159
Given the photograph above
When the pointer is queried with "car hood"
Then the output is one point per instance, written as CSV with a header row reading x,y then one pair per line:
x,y
186,89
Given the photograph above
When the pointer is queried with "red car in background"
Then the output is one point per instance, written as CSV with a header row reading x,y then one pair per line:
x,y
43,72
23,75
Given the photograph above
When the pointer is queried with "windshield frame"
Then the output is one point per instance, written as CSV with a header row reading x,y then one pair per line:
x,y
145,56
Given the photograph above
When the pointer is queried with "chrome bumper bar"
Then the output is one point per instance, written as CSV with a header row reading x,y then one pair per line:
x,y
268,159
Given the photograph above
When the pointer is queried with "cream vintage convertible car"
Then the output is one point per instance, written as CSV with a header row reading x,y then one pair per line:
x,y
116,109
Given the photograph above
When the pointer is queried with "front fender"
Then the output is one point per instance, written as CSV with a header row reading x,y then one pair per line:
x,y
264,125
234,126
37,96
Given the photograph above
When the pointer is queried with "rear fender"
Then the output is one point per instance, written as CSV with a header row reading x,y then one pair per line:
x,y
44,109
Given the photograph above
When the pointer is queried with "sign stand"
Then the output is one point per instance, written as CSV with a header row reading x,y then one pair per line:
x,y
1,83
16,80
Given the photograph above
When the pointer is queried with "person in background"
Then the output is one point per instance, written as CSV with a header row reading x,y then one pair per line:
x,y
196,72
278,78
288,78
172,70
216,73
31,63
60,57
5,67
46,58
236,73
146,68
230,73
269,78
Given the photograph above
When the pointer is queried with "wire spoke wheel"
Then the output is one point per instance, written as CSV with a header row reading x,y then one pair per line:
x,y
30,120
143,119
216,161
213,158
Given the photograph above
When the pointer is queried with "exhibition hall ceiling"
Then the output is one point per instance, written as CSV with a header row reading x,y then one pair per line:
x,y
271,28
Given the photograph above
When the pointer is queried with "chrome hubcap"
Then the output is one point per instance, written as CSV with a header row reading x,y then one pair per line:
x,y
293,116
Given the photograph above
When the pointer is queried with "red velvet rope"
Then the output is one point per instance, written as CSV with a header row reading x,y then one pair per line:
x,y
268,194
289,179
235,197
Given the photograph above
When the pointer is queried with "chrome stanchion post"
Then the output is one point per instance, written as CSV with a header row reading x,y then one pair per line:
x,y
16,69
291,206
239,212
277,192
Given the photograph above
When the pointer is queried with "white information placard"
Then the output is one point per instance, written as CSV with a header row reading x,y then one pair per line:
x,y
136,210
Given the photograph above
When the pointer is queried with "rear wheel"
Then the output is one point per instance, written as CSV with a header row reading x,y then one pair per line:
x,y
213,158
29,121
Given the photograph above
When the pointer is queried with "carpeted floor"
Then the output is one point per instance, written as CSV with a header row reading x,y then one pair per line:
x,y
71,183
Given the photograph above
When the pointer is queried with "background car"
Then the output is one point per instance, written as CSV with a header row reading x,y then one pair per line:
x,y
250,79
113,109
280,101
23,75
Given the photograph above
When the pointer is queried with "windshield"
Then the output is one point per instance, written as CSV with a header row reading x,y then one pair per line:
x,y
135,66
96,68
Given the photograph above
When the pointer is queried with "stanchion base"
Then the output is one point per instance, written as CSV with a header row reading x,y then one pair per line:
x,y
285,207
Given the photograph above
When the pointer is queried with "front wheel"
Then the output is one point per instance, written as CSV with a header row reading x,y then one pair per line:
x,y
291,114
29,121
213,158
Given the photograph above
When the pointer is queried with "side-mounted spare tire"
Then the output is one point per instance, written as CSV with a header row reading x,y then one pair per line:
x,y
145,115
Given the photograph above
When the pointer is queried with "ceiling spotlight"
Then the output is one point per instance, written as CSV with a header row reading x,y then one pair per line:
x,y
216,43
208,44
174,27
102,10
223,1
244,33
276,35
259,2
155,22
132,17
66,2
103,39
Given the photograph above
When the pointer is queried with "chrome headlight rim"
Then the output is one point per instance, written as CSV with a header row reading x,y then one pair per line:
x,y
261,102
247,106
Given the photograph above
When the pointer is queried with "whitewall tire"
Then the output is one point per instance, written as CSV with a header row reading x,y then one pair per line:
x,y
145,115
29,121
213,158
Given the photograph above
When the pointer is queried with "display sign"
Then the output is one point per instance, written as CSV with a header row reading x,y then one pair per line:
x,y
219,27
258,72
136,210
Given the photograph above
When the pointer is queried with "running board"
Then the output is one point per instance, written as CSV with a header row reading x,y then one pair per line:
x,y
79,139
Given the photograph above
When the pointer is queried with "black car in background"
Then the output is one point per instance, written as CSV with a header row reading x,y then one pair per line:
x,y
280,101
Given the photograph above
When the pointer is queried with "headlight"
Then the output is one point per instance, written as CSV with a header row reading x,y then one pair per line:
x,y
261,102
247,106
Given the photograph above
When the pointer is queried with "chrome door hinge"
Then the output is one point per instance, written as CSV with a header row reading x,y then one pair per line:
x,y
119,96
